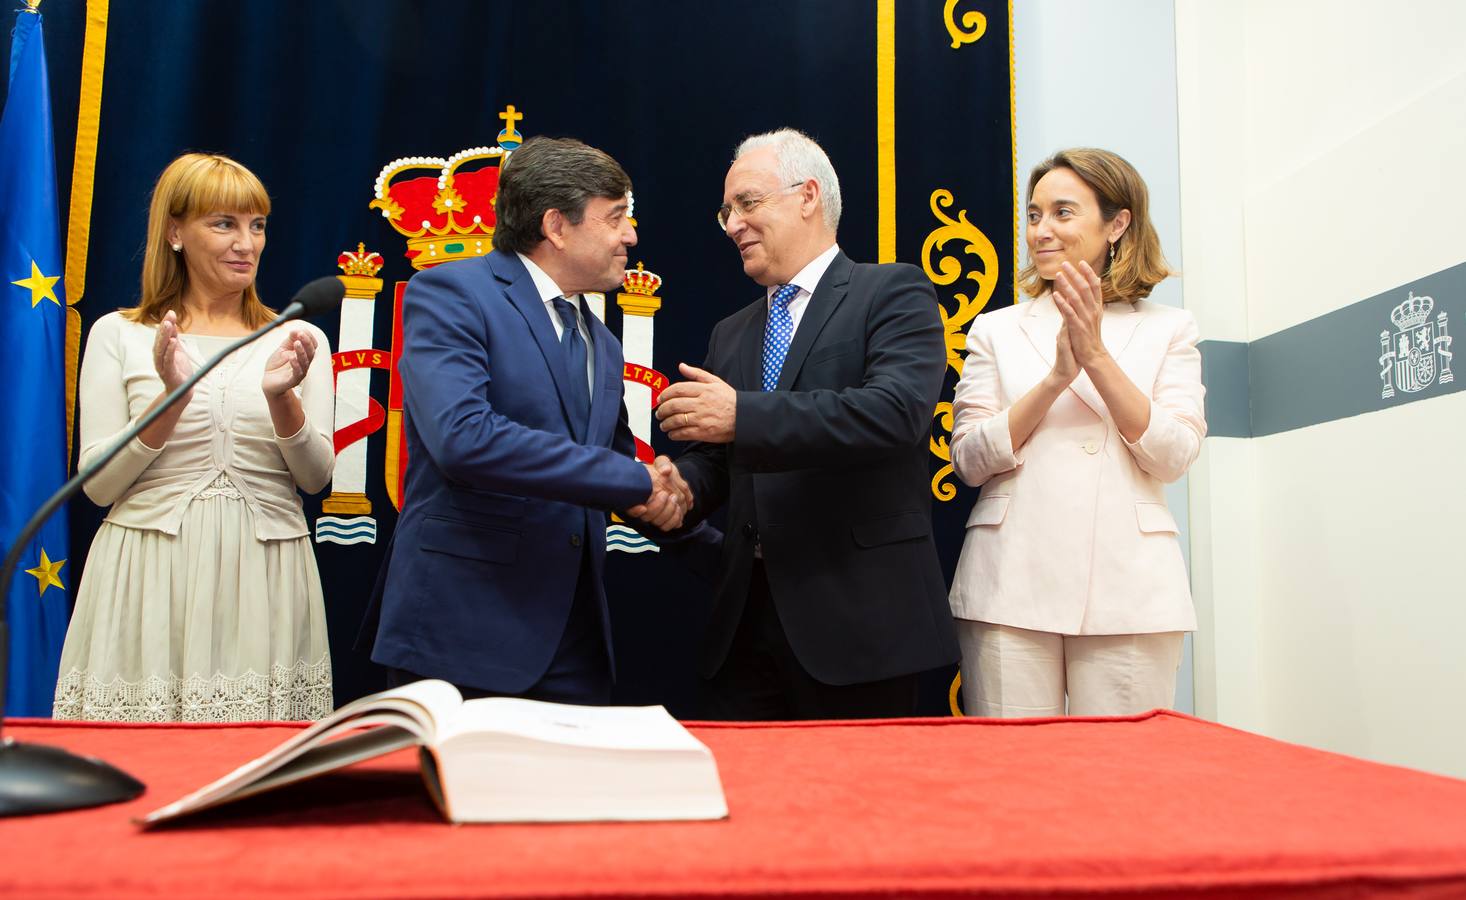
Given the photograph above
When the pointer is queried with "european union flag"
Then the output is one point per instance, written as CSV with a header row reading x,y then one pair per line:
x,y
32,375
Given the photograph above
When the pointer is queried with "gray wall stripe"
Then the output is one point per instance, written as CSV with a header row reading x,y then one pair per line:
x,y
1393,348
1224,371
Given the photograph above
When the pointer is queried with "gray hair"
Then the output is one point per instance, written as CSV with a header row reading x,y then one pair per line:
x,y
800,159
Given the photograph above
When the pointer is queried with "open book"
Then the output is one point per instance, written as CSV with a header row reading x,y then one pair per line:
x,y
499,759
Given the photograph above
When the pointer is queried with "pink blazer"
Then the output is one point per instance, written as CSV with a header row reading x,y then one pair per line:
x,y
1071,533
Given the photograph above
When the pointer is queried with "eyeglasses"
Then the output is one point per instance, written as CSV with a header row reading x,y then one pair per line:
x,y
745,206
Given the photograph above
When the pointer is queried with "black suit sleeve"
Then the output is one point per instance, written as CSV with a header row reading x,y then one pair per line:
x,y
705,468
703,465
888,411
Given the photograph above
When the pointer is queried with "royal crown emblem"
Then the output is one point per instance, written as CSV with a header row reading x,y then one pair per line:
x,y
640,281
446,210
361,262
448,214
1411,358
1413,312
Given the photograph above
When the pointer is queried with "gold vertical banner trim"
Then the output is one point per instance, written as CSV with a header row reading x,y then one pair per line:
x,y
83,174
885,131
1013,143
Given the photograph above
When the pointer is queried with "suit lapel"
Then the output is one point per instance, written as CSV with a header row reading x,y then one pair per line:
x,y
520,290
603,409
827,296
751,347
1117,326
1040,324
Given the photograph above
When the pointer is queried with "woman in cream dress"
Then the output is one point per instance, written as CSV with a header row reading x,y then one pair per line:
x,y
200,600
1072,412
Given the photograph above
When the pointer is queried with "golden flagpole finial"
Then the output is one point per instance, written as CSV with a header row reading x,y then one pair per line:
x,y
32,6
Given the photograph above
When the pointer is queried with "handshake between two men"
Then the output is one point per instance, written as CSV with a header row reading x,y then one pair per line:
x,y
830,373
703,409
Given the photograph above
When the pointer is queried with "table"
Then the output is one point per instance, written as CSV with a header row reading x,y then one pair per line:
x,y
1147,806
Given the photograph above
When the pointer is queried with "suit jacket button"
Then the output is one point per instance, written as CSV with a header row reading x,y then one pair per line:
x,y
575,540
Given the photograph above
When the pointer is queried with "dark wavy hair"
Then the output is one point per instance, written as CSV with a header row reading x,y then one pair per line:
x,y
545,174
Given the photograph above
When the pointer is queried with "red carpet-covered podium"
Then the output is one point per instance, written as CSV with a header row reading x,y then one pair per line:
x,y
1151,806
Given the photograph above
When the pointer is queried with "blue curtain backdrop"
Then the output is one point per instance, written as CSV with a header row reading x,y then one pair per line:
x,y
317,97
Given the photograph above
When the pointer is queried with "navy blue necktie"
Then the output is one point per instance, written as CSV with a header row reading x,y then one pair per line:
x,y
575,361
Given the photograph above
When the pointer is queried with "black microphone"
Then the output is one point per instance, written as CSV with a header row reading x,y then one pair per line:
x,y
35,778
316,298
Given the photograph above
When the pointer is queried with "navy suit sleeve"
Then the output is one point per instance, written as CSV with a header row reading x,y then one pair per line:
x,y
623,442
890,410
447,370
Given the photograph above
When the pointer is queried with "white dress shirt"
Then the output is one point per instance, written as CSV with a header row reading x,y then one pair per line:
x,y
807,280
550,292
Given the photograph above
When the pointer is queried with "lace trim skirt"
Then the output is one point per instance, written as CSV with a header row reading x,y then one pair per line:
x,y
212,625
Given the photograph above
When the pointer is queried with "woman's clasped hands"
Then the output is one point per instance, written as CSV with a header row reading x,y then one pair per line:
x,y
1079,296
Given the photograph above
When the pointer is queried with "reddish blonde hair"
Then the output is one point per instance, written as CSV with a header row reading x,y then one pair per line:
x,y
193,185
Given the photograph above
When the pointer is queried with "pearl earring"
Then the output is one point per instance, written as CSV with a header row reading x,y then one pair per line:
x,y
178,247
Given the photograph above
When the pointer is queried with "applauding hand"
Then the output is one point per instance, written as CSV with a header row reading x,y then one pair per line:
x,y
169,359
288,364
1080,298
1065,369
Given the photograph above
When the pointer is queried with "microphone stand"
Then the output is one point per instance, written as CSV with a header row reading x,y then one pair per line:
x,y
36,778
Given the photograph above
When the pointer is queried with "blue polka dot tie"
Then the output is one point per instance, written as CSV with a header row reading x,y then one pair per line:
x,y
778,333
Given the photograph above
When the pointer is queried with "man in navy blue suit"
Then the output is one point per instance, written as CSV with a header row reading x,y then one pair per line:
x,y
518,444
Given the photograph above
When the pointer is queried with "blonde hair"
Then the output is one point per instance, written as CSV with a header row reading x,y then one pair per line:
x,y
193,185
1139,264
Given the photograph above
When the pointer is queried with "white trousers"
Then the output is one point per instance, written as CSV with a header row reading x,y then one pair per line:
x,y
1013,672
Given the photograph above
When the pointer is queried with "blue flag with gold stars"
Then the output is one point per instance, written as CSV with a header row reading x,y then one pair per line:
x,y
32,375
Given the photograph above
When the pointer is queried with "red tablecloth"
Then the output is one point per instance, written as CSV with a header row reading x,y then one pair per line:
x,y
1155,805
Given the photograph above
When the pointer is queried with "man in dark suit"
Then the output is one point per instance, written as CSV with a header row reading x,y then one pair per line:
x,y
811,419
518,443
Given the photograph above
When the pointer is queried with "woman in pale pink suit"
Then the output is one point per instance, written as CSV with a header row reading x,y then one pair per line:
x,y
1073,410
